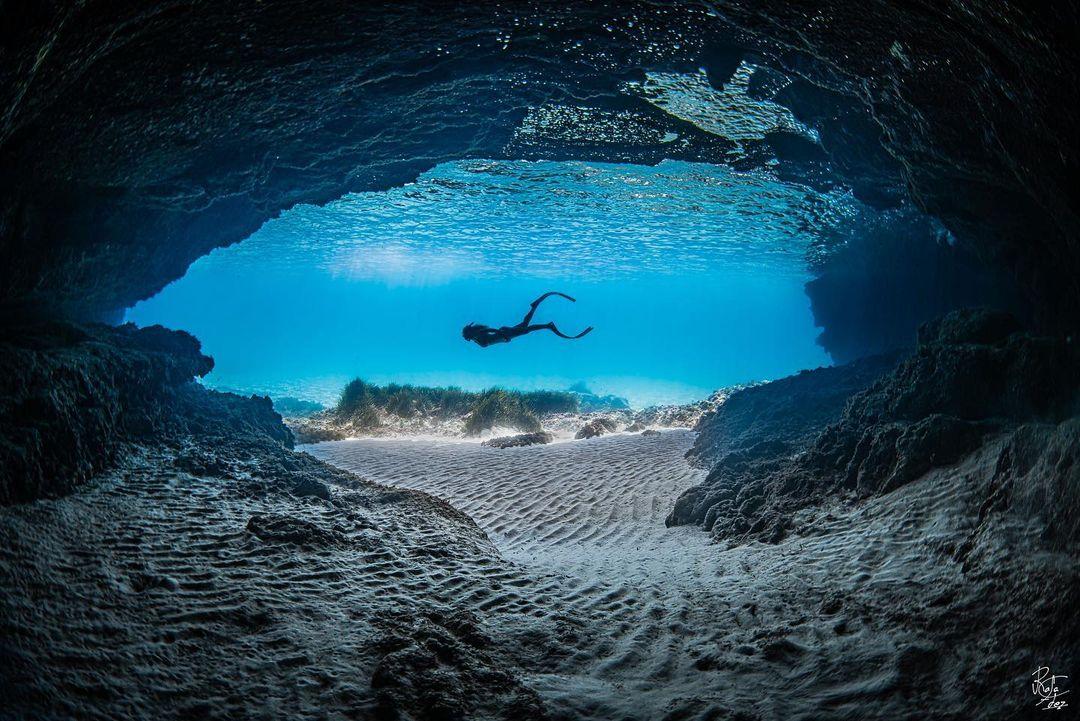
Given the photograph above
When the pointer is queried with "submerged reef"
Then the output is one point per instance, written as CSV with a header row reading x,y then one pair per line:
x,y
366,410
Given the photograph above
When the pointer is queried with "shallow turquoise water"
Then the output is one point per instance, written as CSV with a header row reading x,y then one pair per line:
x,y
691,274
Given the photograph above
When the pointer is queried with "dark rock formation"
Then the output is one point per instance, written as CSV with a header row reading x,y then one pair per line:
x,y
522,439
791,410
297,531
113,181
978,138
971,325
72,396
1037,476
974,365
972,375
596,427
414,673
308,486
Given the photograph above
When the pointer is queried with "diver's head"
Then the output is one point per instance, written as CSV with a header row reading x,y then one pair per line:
x,y
470,332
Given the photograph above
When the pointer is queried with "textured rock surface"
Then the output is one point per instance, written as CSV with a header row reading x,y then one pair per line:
x,y
71,397
522,439
331,425
113,181
596,427
973,375
963,93
1037,476
789,411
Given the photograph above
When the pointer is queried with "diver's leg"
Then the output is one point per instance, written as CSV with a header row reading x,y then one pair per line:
x,y
536,303
551,327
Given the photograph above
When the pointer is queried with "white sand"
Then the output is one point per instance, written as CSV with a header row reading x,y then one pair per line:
x,y
592,507
829,625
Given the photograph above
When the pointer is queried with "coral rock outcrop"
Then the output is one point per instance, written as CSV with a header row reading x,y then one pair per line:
x,y
974,374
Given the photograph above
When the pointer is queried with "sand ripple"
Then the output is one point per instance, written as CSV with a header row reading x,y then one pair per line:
x,y
157,594
831,624
595,507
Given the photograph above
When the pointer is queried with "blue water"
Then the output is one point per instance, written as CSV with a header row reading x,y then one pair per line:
x,y
691,274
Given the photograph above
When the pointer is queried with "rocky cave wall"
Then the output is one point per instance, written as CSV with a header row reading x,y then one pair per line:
x,y
870,427
75,399
137,137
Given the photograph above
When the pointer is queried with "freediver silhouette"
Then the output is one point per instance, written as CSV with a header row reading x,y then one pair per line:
x,y
484,336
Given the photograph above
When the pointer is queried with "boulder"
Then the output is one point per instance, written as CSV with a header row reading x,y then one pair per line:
x,y
309,486
522,439
596,427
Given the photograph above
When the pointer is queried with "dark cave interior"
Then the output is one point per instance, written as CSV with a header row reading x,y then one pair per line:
x,y
138,137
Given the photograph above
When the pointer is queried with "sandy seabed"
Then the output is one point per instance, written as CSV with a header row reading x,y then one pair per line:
x,y
594,509
148,594
821,626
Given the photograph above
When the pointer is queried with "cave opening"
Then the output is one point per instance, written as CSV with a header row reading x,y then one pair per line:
x,y
697,275
379,285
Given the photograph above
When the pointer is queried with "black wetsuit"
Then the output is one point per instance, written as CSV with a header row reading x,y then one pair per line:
x,y
484,335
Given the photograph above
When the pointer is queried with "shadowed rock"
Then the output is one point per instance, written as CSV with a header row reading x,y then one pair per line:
x,y
871,293
72,396
793,409
439,667
297,531
309,486
972,375
596,427
522,439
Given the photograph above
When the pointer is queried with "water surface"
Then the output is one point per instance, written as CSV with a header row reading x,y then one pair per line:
x,y
691,274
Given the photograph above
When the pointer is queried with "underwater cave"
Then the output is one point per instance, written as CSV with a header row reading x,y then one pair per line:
x,y
634,360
